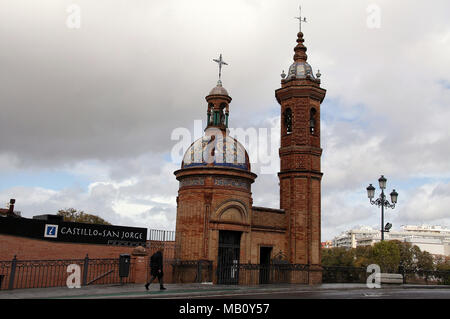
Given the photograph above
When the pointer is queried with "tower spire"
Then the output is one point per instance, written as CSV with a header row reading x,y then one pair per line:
x,y
300,49
218,102
220,62
300,19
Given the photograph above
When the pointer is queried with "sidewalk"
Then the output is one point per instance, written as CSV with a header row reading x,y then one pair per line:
x,y
173,290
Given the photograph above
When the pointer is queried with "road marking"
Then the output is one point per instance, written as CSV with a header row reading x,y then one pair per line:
x,y
373,295
237,294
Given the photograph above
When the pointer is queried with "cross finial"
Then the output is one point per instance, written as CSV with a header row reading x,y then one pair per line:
x,y
220,62
300,18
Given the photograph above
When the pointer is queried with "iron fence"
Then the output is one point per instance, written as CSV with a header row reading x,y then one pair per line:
x,y
338,274
426,277
16,274
255,274
198,271
161,235
190,271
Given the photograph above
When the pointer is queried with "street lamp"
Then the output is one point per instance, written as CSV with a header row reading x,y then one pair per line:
x,y
387,227
383,202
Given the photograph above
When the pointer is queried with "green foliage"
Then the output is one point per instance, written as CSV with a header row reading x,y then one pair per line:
x,y
392,256
337,257
407,256
442,263
386,254
364,256
424,260
72,215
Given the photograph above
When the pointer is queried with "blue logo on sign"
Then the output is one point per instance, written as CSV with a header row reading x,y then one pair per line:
x,y
51,231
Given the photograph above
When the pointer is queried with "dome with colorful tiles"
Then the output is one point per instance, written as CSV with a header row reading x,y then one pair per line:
x,y
216,151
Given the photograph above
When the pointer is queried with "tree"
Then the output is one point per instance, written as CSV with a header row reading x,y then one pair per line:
x,y
72,215
424,260
442,263
337,256
387,255
407,256
363,256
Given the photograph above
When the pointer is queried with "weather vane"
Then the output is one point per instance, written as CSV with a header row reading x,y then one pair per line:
x,y
220,62
300,18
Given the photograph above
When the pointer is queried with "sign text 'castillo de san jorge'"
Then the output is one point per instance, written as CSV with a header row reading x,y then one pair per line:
x,y
71,232
112,234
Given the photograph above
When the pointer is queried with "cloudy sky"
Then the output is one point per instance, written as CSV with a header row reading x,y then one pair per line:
x,y
88,109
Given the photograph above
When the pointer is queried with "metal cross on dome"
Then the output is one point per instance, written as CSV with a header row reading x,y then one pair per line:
x,y
300,18
220,62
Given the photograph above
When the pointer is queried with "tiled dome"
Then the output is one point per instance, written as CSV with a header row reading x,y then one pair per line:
x,y
227,152
300,70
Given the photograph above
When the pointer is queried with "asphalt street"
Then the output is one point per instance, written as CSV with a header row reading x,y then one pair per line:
x,y
204,291
389,293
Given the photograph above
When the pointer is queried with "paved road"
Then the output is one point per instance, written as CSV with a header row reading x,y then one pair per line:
x,y
200,291
387,293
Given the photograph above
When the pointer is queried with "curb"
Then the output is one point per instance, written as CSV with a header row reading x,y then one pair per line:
x,y
198,292
232,291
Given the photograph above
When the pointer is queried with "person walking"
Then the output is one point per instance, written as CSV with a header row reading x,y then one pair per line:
x,y
156,269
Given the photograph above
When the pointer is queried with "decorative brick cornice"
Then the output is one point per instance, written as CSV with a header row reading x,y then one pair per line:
x,y
268,210
269,229
229,222
215,171
301,173
298,91
300,149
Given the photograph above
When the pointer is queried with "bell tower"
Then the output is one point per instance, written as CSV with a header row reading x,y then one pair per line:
x,y
300,153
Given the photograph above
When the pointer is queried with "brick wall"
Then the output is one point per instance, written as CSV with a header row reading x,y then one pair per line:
x,y
205,209
34,249
267,217
276,240
29,249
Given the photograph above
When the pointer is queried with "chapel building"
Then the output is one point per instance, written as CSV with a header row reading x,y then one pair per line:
x,y
216,219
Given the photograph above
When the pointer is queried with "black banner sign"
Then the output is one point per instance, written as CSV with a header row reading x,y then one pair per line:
x,y
73,232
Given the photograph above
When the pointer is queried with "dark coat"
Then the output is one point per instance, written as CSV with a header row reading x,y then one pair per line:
x,y
156,261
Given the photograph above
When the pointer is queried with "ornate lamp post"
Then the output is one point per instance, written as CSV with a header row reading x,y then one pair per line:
x,y
382,201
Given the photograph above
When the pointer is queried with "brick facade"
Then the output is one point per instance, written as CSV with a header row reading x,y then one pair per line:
x,y
35,249
300,173
222,200
27,249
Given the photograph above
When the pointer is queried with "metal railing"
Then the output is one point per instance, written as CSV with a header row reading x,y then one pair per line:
x,y
190,271
426,277
161,235
255,274
338,274
17,274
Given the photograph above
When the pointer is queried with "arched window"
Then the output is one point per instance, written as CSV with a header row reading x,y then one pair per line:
x,y
288,120
222,115
312,121
210,108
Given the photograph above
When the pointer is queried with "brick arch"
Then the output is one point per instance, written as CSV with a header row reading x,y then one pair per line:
x,y
231,211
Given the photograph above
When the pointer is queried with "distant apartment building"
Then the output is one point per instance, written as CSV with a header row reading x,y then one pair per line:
x,y
327,244
433,239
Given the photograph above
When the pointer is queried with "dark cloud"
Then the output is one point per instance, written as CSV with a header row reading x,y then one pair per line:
x,y
101,101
